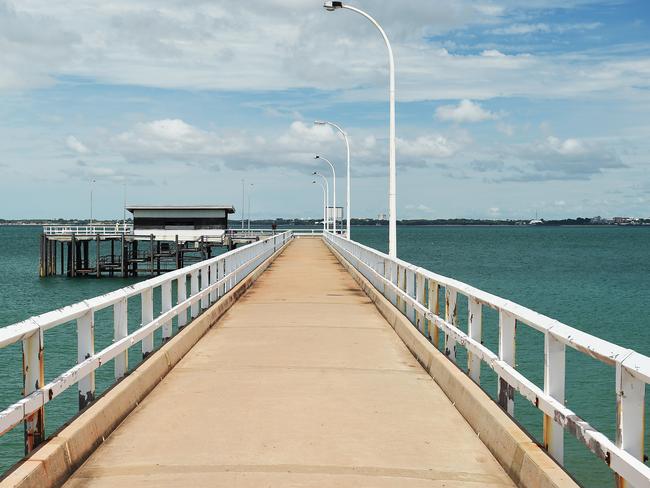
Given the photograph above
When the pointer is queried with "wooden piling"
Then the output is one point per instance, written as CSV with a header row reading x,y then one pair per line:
x,y
75,256
152,256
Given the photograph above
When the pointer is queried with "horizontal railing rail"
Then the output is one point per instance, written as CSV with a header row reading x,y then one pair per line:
x,y
88,230
209,280
416,293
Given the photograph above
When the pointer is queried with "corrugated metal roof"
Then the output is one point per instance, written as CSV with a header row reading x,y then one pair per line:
x,y
227,208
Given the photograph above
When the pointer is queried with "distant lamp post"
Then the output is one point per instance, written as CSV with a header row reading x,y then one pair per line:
x,y
327,198
91,201
334,190
347,145
392,206
249,204
324,202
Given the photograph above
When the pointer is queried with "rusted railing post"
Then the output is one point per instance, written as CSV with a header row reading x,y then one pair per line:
x,y
451,317
166,305
33,379
475,331
85,349
120,331
630,425
554,379
507,326
147,317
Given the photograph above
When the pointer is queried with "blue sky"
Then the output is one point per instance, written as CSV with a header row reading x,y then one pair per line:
x,y
503,109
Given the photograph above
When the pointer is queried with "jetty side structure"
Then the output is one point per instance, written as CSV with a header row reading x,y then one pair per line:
x,y
302,360
160,239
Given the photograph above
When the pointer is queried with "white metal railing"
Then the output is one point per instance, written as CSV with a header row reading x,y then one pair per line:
x,y
88,230
416,293
209,280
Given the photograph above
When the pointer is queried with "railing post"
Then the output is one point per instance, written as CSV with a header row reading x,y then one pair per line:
x,y
194,289
147,317
421,298
475,331
166,306
409,288
434,306
630,426
205,283
451,317
181,285
507,328
33,379
120,331
213,280
85,349
554,378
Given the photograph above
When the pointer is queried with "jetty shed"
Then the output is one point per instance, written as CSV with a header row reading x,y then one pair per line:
x,y
188,222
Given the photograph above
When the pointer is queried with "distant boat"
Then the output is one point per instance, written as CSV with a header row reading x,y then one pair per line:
x,y
536,222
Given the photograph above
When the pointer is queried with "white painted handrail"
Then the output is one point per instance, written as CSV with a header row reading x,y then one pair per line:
x,y
209,281
88,230
416,293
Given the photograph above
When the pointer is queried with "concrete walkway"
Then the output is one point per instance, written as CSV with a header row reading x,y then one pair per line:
x,y
302,383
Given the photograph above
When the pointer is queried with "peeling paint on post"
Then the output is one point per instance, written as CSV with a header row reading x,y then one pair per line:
x,y
554,379
147,316
475,331
507,326
85,349
630,414
166,302
451,316
120,331
33,379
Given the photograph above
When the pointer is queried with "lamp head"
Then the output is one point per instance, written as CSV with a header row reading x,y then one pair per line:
x,y
315,173
332,6
314,181
317,157
319,122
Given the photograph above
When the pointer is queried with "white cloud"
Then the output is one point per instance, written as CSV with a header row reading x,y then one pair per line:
x,y
76,145
519,29
274,45
506,129
465,111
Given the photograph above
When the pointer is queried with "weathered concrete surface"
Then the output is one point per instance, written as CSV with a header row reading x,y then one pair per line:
x,y
303,383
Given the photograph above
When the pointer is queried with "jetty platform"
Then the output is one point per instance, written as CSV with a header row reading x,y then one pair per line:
x,y
311,360
301,383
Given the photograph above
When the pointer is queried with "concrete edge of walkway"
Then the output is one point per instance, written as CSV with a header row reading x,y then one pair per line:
x,y
54,461
527,464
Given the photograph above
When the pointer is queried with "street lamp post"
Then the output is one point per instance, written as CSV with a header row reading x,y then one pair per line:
x,y
334,190
392,206
324,202
91,201
243,200
327,199
249,205
347,145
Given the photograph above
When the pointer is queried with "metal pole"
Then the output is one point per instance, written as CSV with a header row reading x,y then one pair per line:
x,y
334,191
243,199
327,200
392,205
324,204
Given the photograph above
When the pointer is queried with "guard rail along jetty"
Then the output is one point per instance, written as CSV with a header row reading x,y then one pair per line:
x,y
422,307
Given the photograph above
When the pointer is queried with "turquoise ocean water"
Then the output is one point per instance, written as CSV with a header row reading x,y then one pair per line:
x,y
596,279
